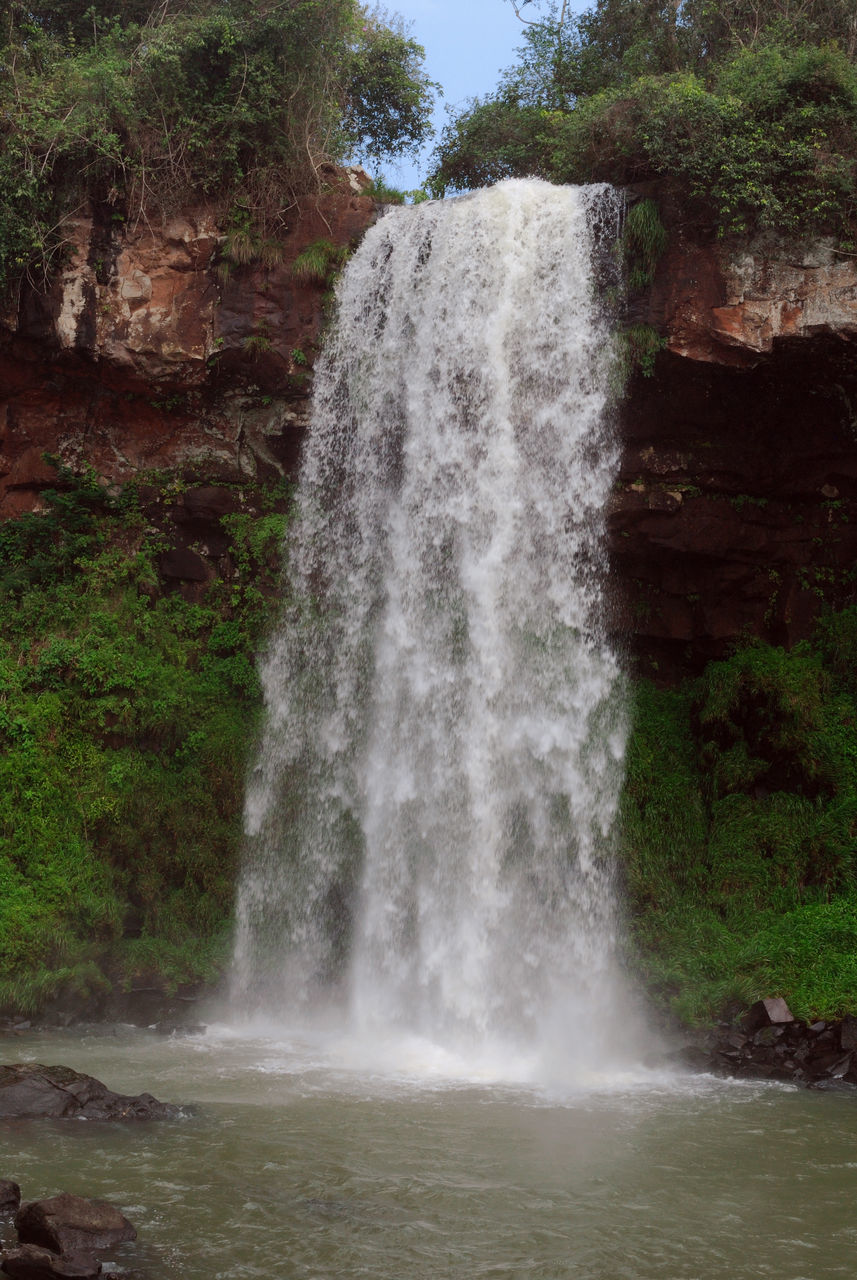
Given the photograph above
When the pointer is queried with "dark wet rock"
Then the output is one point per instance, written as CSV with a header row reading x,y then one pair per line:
x,y
209,502
692,1057
184,564
848,1034
30,1091
67,1224
834,1065
768,1036
766,1013
30,1262
10,1196
815,1056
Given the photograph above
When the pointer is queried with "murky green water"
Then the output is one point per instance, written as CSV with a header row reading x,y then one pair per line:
x,y
299,1164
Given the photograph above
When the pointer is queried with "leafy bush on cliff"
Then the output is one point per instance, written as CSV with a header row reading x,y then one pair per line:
x,y
740,830
751,110
144,106
125,718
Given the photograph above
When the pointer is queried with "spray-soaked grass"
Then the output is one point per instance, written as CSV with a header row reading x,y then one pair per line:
x,y
740,831
125,720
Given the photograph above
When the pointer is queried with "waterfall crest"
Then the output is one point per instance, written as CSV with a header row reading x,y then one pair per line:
x,y
428,822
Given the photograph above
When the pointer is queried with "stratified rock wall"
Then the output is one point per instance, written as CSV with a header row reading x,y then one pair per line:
x,y
737,509
145,355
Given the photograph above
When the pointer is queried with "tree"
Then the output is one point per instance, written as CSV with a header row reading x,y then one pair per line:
x,y
146,104
749,107
388,93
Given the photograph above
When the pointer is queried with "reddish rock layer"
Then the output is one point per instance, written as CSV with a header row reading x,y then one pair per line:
x,y
144,356
736,512
730,302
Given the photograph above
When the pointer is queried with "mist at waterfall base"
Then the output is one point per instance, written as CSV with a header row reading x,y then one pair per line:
x,y
429,823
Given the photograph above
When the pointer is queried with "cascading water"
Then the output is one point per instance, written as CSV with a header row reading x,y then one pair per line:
x,y
428,824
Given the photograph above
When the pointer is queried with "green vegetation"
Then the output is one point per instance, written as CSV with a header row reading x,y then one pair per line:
x,y
644,239
740,830
126,715
257,342
638,348
319,262
139,107
125,719
749,109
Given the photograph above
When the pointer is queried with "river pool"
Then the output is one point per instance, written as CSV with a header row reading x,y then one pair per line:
x,y
302,1161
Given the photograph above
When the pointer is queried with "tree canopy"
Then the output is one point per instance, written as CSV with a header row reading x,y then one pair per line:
x,y
749,105
146,104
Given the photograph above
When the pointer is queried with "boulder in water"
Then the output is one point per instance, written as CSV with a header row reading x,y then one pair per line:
x,y
10,1196
69,1224
30,1262
30,1090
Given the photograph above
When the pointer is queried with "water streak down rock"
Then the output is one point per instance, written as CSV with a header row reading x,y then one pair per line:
x,y
429,820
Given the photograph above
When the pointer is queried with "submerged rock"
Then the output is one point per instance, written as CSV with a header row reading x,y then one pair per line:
x,y
10,1195
30,1262
69,1224
30,1091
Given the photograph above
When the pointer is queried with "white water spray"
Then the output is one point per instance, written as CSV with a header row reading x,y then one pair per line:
x,y
429,821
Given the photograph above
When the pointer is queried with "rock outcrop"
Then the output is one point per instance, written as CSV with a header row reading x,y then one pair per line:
x,y
732,302
154,350
736,513
68,1223
736,509
767,1045
61,1238
32,1091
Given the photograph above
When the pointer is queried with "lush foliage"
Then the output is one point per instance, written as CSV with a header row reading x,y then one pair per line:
x,y
740,830
749,105
126,715
142,106
125,718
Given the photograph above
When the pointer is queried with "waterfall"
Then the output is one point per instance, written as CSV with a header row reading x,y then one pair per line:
x,y
428,824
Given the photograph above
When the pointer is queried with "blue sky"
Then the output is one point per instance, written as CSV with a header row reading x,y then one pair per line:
x,y
467,43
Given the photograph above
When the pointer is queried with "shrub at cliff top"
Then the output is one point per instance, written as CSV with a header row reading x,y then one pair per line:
x,y
751,110
143,106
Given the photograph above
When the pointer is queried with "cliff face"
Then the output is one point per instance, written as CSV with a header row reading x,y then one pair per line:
x,y
150,353
736,511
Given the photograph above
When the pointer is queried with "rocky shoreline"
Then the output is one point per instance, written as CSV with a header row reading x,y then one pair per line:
x,y
769,1043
